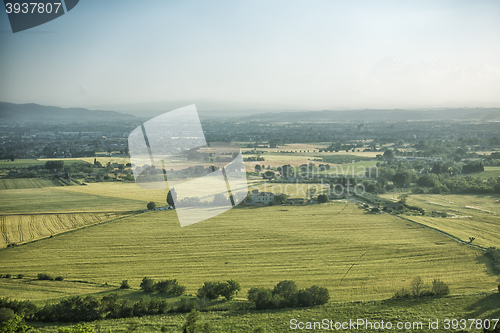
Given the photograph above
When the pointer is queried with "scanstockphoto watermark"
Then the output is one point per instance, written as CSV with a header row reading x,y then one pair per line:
x,y
379,325
310,189
337,180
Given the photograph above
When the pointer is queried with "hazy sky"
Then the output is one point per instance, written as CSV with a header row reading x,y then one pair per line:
x,y
311,54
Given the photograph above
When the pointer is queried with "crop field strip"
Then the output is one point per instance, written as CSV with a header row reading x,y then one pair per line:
x,y
21,228
334,245
475,216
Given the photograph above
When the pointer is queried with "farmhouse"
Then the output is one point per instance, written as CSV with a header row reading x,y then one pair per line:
x,y
262,198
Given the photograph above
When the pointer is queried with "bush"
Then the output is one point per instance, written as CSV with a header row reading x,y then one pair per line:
x,y
151,205
209,290
147,285
44,276
187,305
124,285
285,294
20,276
7,276
418,289
59,278
212,290
170,288
440,288
319,295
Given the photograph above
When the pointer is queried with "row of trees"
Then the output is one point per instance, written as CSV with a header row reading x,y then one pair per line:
x,y
169,288
418,288
286,295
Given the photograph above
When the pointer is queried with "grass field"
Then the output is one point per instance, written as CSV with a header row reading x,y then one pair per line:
x,y
19,183
19,229
489,172
408,312
99,197
467,216
338,246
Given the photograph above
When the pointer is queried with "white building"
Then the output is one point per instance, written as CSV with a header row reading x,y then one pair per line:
x,y
262,198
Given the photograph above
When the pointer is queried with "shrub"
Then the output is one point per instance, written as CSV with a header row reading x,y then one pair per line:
x,y
212,290
169,287
7,276
44,276
147,285
187,305
402,293
209,290
319,295
59,278
151,205
440,288
285,289
20,276
124,285
417,286
229,289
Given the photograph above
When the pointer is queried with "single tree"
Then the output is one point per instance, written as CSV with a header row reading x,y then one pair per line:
x,y
171,197
151,205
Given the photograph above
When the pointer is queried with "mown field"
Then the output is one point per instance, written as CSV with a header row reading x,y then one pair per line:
x,y
17,229
475,216
357,255
18,183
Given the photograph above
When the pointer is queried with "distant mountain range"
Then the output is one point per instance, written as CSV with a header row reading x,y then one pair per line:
x,y
377,115
30,113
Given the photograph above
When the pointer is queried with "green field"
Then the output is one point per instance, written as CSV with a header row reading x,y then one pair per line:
x,y
19,183
407,312
259,247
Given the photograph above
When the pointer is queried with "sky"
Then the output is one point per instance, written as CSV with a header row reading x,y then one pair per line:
x,y
308,55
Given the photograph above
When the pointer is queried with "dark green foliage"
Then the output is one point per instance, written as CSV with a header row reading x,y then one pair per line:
x,y
473,167
166,287
7,276
170,288
151,205
212,290
493,254
147,285
124,285
20,276
419,289
25,308
6,314
440,288
229,289
54,165
286,295
186,305
59,278
322,198
319,295
14,324
285,289
44,276
171,196
193,324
